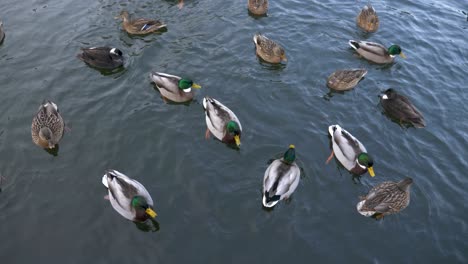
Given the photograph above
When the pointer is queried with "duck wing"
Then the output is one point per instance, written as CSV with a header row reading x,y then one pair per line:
x,y
401,108
143,24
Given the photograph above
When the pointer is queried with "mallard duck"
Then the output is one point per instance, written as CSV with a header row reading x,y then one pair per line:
x,y
350,152
173,87
343,80
221,122
128,197
102,57
2,33
281,178
376,52
386,198
399,107
367,19
258,7
141,26
47,126
269,50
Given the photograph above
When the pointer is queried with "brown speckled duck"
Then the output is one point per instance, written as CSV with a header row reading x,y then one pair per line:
x,y
269,50
343,80
258,7
141,26
367,19
386,198
47,126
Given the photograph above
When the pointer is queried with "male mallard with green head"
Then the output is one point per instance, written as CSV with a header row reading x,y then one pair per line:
x,y
221,122
47,126
367,19
350,152
128,197
386,198
281,178
269,50
141,26
174,88
376,52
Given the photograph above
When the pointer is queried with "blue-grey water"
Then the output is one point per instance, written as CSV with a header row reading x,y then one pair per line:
x,y
207,195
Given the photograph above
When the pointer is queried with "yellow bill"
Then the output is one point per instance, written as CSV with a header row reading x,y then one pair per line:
x,y
371,171
402,55
196,86
151,213
237,139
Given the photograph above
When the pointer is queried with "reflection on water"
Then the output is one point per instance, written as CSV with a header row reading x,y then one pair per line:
x,y
149,225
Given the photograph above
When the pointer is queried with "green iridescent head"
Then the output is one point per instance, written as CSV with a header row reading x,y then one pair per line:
x,y
140,204
234,131
395,50
290,155
186,84
366,160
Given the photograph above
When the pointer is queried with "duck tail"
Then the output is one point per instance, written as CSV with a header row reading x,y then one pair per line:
x,y
270,201
354,44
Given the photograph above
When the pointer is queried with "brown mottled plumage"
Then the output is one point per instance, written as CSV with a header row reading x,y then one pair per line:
x,y
386,198
343,80
367,19
141,26
47,126
258,7
269,50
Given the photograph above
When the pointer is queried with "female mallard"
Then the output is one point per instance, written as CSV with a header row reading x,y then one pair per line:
x,y
399,107
367,19
173,87
102,57
376,52
128,197
47,126
386,198
269,50
141,26
258,7
2,33
281,178
349,151
221,121
343,80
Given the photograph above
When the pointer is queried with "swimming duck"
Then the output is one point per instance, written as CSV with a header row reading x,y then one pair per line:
x,y
350,152
141,26
343,80
269,50
102,57
2,33
399,107
128,197
386,198
173,87
47,126
367,19
281,178
221,122
258,7
376,52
